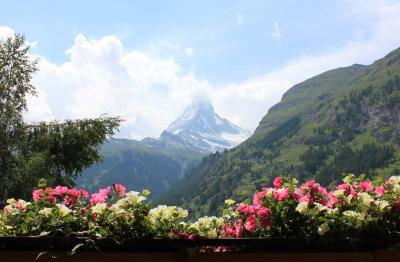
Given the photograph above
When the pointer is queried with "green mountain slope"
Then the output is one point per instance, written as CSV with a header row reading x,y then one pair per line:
x,y
346,120
139,166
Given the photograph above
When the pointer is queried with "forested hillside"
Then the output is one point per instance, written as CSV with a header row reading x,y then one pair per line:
x,y
346,120
138,166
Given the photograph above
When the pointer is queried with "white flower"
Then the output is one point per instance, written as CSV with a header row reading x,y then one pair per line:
x,y
133,198
208,226
353,214
229,202
164,212
99,208
349,198
365,199
331,211
381,204
11,201
348,179
118,210
396,189
46,211
394,180
63,210
323,229
10,209
302,207
355,218
338,193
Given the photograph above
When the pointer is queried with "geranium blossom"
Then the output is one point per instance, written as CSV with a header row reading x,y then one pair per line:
x,y
354,209
281,194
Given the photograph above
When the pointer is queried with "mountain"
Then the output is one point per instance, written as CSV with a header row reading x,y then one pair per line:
x,y
345,120
200,126
157,164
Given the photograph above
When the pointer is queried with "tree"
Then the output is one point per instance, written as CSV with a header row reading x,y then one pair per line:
x,y
56,151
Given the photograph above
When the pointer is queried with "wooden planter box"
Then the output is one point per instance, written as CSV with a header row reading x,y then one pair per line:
x,y
249,250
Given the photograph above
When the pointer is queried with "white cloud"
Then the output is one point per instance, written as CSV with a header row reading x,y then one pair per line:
x,y
6,32
276,33
39,109
240,19
189,51
101,76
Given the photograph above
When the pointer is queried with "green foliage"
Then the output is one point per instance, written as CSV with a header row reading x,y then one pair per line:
x,y
55,151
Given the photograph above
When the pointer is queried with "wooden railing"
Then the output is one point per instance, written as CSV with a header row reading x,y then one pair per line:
x,y
248,249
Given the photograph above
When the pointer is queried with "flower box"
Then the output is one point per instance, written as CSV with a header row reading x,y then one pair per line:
x,y
245,249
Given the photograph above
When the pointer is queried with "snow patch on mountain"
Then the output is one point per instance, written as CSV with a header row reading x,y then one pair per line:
x,y
202,127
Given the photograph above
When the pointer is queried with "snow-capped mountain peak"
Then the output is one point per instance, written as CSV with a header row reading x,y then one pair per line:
x,y
202,127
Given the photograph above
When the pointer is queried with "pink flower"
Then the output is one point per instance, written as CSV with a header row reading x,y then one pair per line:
x,y
235,229
245,209
60,190
75,193
309,183
305,198
105,191
100,197
322,190
353,192
84,193
366,186
51,199
263,214
251,224
298,193
281,194
332,200
97,198
37,194
20,206
49,191
344,187
277,182
257,198
120,189
380,191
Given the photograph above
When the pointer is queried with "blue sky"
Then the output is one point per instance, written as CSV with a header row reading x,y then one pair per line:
x,y
147,60
232,40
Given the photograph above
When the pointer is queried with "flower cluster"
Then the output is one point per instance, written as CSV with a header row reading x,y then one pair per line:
x,y
69,211
354,209
167,221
